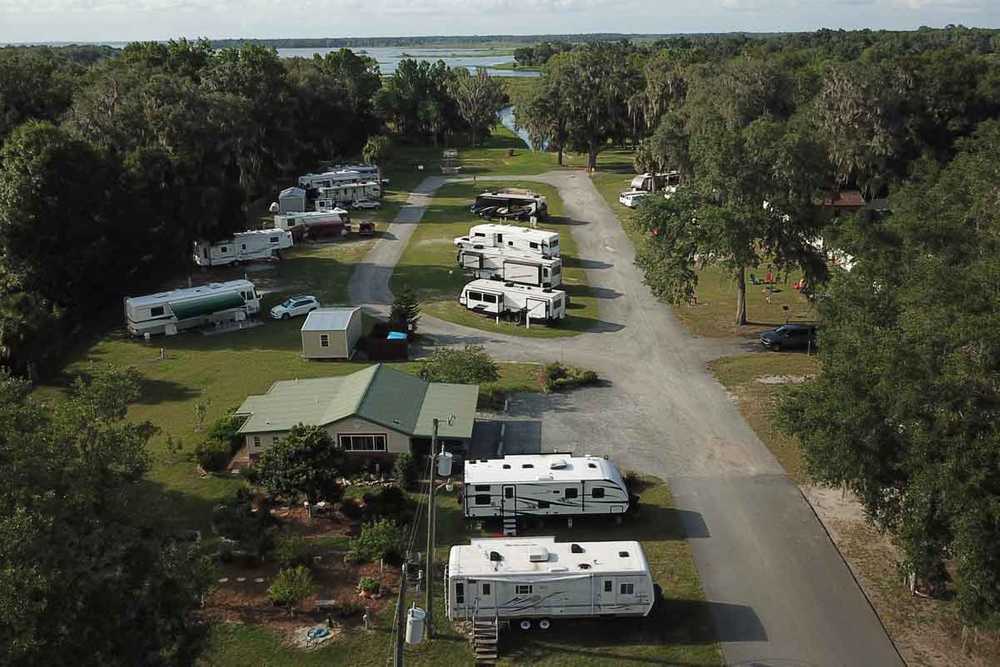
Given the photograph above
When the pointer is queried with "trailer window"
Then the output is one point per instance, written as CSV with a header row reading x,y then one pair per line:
x,y
571,493
490,298
545,272
597,493
543,504
483,499
556,270
460,593
482,487
523,590
156,312
486,588
243,246
480,234
475,296
627,589
608,586
224,249
274,239
324,340
508,492
533,245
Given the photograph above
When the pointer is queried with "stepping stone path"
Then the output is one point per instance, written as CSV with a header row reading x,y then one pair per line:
x,y
259,580
241,579
224,580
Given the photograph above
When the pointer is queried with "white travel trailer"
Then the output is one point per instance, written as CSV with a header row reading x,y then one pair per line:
x,y
264,244
511,236
328,179
509,265
170,312
495,297
666,181
348,193
538,579
313,223
543,485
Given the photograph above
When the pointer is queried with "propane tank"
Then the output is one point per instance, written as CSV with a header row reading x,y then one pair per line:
x,y
444,464
415,625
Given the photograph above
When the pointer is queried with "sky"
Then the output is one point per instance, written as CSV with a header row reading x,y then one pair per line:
x,y
125,20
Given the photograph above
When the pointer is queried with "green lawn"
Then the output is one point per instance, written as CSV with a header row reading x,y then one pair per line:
x,y
679,632
428,264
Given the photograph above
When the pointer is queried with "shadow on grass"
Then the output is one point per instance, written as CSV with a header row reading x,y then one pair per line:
x,y
578,263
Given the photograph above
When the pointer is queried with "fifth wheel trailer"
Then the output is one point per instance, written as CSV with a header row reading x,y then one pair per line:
x,y
263,244
314,224
493,297
170,312
543,485
515,266
511,236
538,579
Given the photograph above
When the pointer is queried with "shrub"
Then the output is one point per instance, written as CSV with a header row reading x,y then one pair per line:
x,y
292,549
405,471
557,376
389,503
378,539
291,587
213,455
473,365
251,531
368,585
348,608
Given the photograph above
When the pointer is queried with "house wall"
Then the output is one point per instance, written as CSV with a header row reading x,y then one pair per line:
x,y
396,442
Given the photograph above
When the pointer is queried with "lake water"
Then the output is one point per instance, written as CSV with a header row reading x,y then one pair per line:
x,y
388,58
507,118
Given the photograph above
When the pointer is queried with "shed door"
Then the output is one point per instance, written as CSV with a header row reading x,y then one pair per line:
x,y
509,500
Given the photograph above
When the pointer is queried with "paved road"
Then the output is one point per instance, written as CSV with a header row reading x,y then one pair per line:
x,y
778,590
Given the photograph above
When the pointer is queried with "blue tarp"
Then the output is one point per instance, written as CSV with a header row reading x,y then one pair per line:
x,y
396,335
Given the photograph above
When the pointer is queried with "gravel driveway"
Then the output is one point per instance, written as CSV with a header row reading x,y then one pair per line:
x,y
779,591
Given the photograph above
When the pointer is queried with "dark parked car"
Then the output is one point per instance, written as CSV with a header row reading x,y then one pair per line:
x,y
790,337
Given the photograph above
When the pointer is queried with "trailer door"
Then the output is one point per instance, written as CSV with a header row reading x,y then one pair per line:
x,y
487,596
526,274
508,502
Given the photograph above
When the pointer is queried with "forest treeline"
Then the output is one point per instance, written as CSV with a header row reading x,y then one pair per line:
x,y
112,164
904,411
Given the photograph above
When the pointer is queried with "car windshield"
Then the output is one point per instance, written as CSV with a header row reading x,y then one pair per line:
x,y
288,303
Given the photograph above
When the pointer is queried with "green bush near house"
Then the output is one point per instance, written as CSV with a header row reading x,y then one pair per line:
x,y
291,549
405,471
291,587
213,455
381,539
368,585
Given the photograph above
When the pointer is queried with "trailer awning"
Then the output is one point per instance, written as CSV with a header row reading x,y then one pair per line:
x,y
206,305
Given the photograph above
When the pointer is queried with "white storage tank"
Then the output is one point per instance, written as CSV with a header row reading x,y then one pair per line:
x,y
415,625
444,464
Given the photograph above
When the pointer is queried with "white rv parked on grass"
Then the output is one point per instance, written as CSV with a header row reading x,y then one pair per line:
x,y
264,244
511,236
514,266
537,578
170,312
495,297
347,193
543,485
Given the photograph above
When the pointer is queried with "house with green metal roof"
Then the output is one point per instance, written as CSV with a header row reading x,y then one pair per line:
x,y
374,411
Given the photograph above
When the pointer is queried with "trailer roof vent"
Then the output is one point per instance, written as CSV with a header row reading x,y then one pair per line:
x,y
538,555
559,568
506,466
584,566
547,290
496,556
623,554
558,464
576,548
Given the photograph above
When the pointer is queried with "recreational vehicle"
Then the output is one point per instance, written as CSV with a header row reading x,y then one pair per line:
x,y
264,244
513,266
538,579
666,181
511,204
543,485
511,236
328,179
170,312
495,297
347,193
314,224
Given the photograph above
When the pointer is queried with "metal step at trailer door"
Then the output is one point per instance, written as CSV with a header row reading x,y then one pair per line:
x,y
509,526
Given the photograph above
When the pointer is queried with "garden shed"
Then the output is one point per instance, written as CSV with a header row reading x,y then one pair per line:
x,y
331,333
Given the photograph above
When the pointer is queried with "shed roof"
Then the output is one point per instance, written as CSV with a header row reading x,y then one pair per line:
x,y
329,319
379,394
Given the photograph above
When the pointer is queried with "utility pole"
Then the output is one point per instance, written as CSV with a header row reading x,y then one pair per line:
x,y
428,577
400,610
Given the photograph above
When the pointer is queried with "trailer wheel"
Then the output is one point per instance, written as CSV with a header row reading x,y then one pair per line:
x,y
525,624
285,316
544,624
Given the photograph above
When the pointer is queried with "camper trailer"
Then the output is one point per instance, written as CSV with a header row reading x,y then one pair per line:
x,y
511,204
511,236
347,194
513,266
494,297
171,312
666,181
543,485
536,579
264,244
314,224
328,179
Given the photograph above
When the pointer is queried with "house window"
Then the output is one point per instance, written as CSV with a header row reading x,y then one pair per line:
x,y
597,493
156,312
627,589
324,340
256,441
363,443
608,586
571,493
460,593
523,590
482,499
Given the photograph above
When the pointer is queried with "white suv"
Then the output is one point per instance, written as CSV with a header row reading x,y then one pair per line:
x,y
294,306
632,198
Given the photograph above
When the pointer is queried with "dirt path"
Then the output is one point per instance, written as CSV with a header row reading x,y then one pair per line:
x,y
777,587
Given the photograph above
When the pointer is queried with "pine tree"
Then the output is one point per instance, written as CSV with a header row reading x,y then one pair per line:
x,y
405,311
